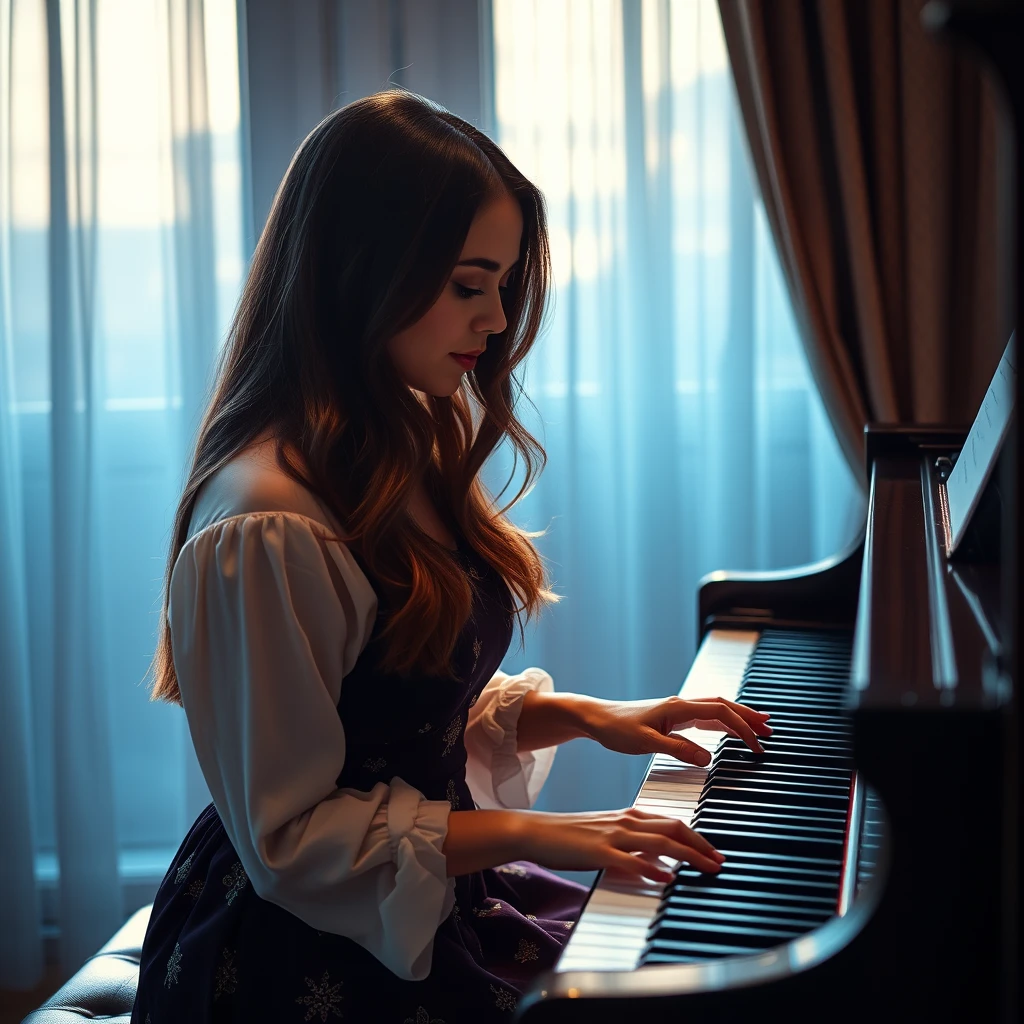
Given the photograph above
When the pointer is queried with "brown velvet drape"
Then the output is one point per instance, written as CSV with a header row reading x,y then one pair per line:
x,y
875,146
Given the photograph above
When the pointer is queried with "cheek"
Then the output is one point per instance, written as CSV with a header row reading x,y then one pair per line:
x,y
442,326
442,329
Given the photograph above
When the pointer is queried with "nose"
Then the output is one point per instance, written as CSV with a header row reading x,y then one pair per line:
x,y
492,320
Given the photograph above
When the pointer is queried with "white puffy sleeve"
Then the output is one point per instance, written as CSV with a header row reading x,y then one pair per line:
x,y
267,616
498,775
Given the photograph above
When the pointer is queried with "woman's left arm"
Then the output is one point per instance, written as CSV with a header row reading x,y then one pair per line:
x,y
548,719
635,726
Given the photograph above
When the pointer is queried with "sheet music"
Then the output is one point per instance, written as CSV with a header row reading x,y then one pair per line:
x,y
978,457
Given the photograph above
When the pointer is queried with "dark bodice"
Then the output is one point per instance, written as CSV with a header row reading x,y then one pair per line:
x,y
412,727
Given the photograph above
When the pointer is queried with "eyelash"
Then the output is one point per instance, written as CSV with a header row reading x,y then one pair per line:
x,y
468,293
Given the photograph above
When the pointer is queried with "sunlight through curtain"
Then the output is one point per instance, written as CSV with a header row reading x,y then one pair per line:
x,y
683,432
120,262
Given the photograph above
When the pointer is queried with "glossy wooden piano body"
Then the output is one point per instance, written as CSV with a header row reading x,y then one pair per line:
x,y
928,700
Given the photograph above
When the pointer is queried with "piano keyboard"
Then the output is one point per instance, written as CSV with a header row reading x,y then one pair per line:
x,y
779,818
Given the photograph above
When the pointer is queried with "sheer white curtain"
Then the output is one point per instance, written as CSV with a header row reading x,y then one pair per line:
x,y
684,434
120,262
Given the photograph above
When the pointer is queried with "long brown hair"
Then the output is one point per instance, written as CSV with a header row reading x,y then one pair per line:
x,y
364,231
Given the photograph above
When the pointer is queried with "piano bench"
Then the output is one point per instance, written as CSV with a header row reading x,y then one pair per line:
x,y
104,986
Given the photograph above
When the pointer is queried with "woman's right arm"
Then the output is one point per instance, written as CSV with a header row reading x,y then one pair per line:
x,y
629,842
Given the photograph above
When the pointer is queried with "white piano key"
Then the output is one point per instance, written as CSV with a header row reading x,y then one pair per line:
x,y
612,929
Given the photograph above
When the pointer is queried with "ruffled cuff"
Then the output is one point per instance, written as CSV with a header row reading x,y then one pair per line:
x,y
499,776
416,834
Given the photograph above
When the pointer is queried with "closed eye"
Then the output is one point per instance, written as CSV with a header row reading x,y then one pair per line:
x,y
468,293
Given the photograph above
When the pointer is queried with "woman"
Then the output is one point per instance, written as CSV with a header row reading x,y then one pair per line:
x,y
340,593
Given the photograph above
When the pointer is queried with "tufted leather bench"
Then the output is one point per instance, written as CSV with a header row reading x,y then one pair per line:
x,y
104,987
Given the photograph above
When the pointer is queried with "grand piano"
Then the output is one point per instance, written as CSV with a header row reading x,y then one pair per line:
x,y
871,870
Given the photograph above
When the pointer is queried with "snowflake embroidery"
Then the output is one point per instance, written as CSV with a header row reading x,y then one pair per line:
x,y
487,911
531,917
453,797
512,869
506,1000
477,648
426,728
236,880
451,735
374,763
227,974
473,574
456,913
195,888
527,951
568,924
476,697
321,999
183,871
422,1017
173,967
148,1021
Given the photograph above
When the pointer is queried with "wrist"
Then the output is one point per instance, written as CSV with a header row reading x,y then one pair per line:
x,y
482,839
547,719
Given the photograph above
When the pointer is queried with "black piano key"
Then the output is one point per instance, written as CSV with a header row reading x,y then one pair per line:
x,y
762,795
770,758
737,903
676,923
763,860
733,839
701,903
802,778
794,807
664,952
774,886
694,931
772,824
710,895
736,911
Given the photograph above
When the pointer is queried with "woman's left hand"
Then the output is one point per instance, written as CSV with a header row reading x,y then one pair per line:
x,y
644,726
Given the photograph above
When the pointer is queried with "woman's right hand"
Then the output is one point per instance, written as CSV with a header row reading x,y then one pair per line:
x,y
628,842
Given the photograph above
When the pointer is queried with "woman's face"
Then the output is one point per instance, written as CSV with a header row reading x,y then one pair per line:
x,y
469,308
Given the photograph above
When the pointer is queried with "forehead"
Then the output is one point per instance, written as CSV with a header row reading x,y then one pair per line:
x,y
495,233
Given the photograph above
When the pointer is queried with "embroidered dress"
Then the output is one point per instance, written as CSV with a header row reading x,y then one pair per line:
x,y
216,950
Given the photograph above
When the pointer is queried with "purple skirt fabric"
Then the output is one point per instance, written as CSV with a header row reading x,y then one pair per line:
x,y
216,951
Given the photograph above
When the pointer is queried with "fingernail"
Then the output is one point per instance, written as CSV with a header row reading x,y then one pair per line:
x,y
759,748
719,856
766,730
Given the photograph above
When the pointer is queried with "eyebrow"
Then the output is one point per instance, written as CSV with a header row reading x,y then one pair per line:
x,y
483,263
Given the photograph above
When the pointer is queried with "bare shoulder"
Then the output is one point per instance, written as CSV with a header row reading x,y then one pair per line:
x,y
253,481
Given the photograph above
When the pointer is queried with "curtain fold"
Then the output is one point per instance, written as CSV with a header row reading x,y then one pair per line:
x,y
21,948
90,895
875,150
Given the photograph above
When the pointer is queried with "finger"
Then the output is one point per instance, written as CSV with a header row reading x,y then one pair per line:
x,y
679,830
630,866
664,846
756,719
721,712
680,747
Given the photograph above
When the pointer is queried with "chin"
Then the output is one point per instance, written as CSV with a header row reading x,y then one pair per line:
x,y
438,388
